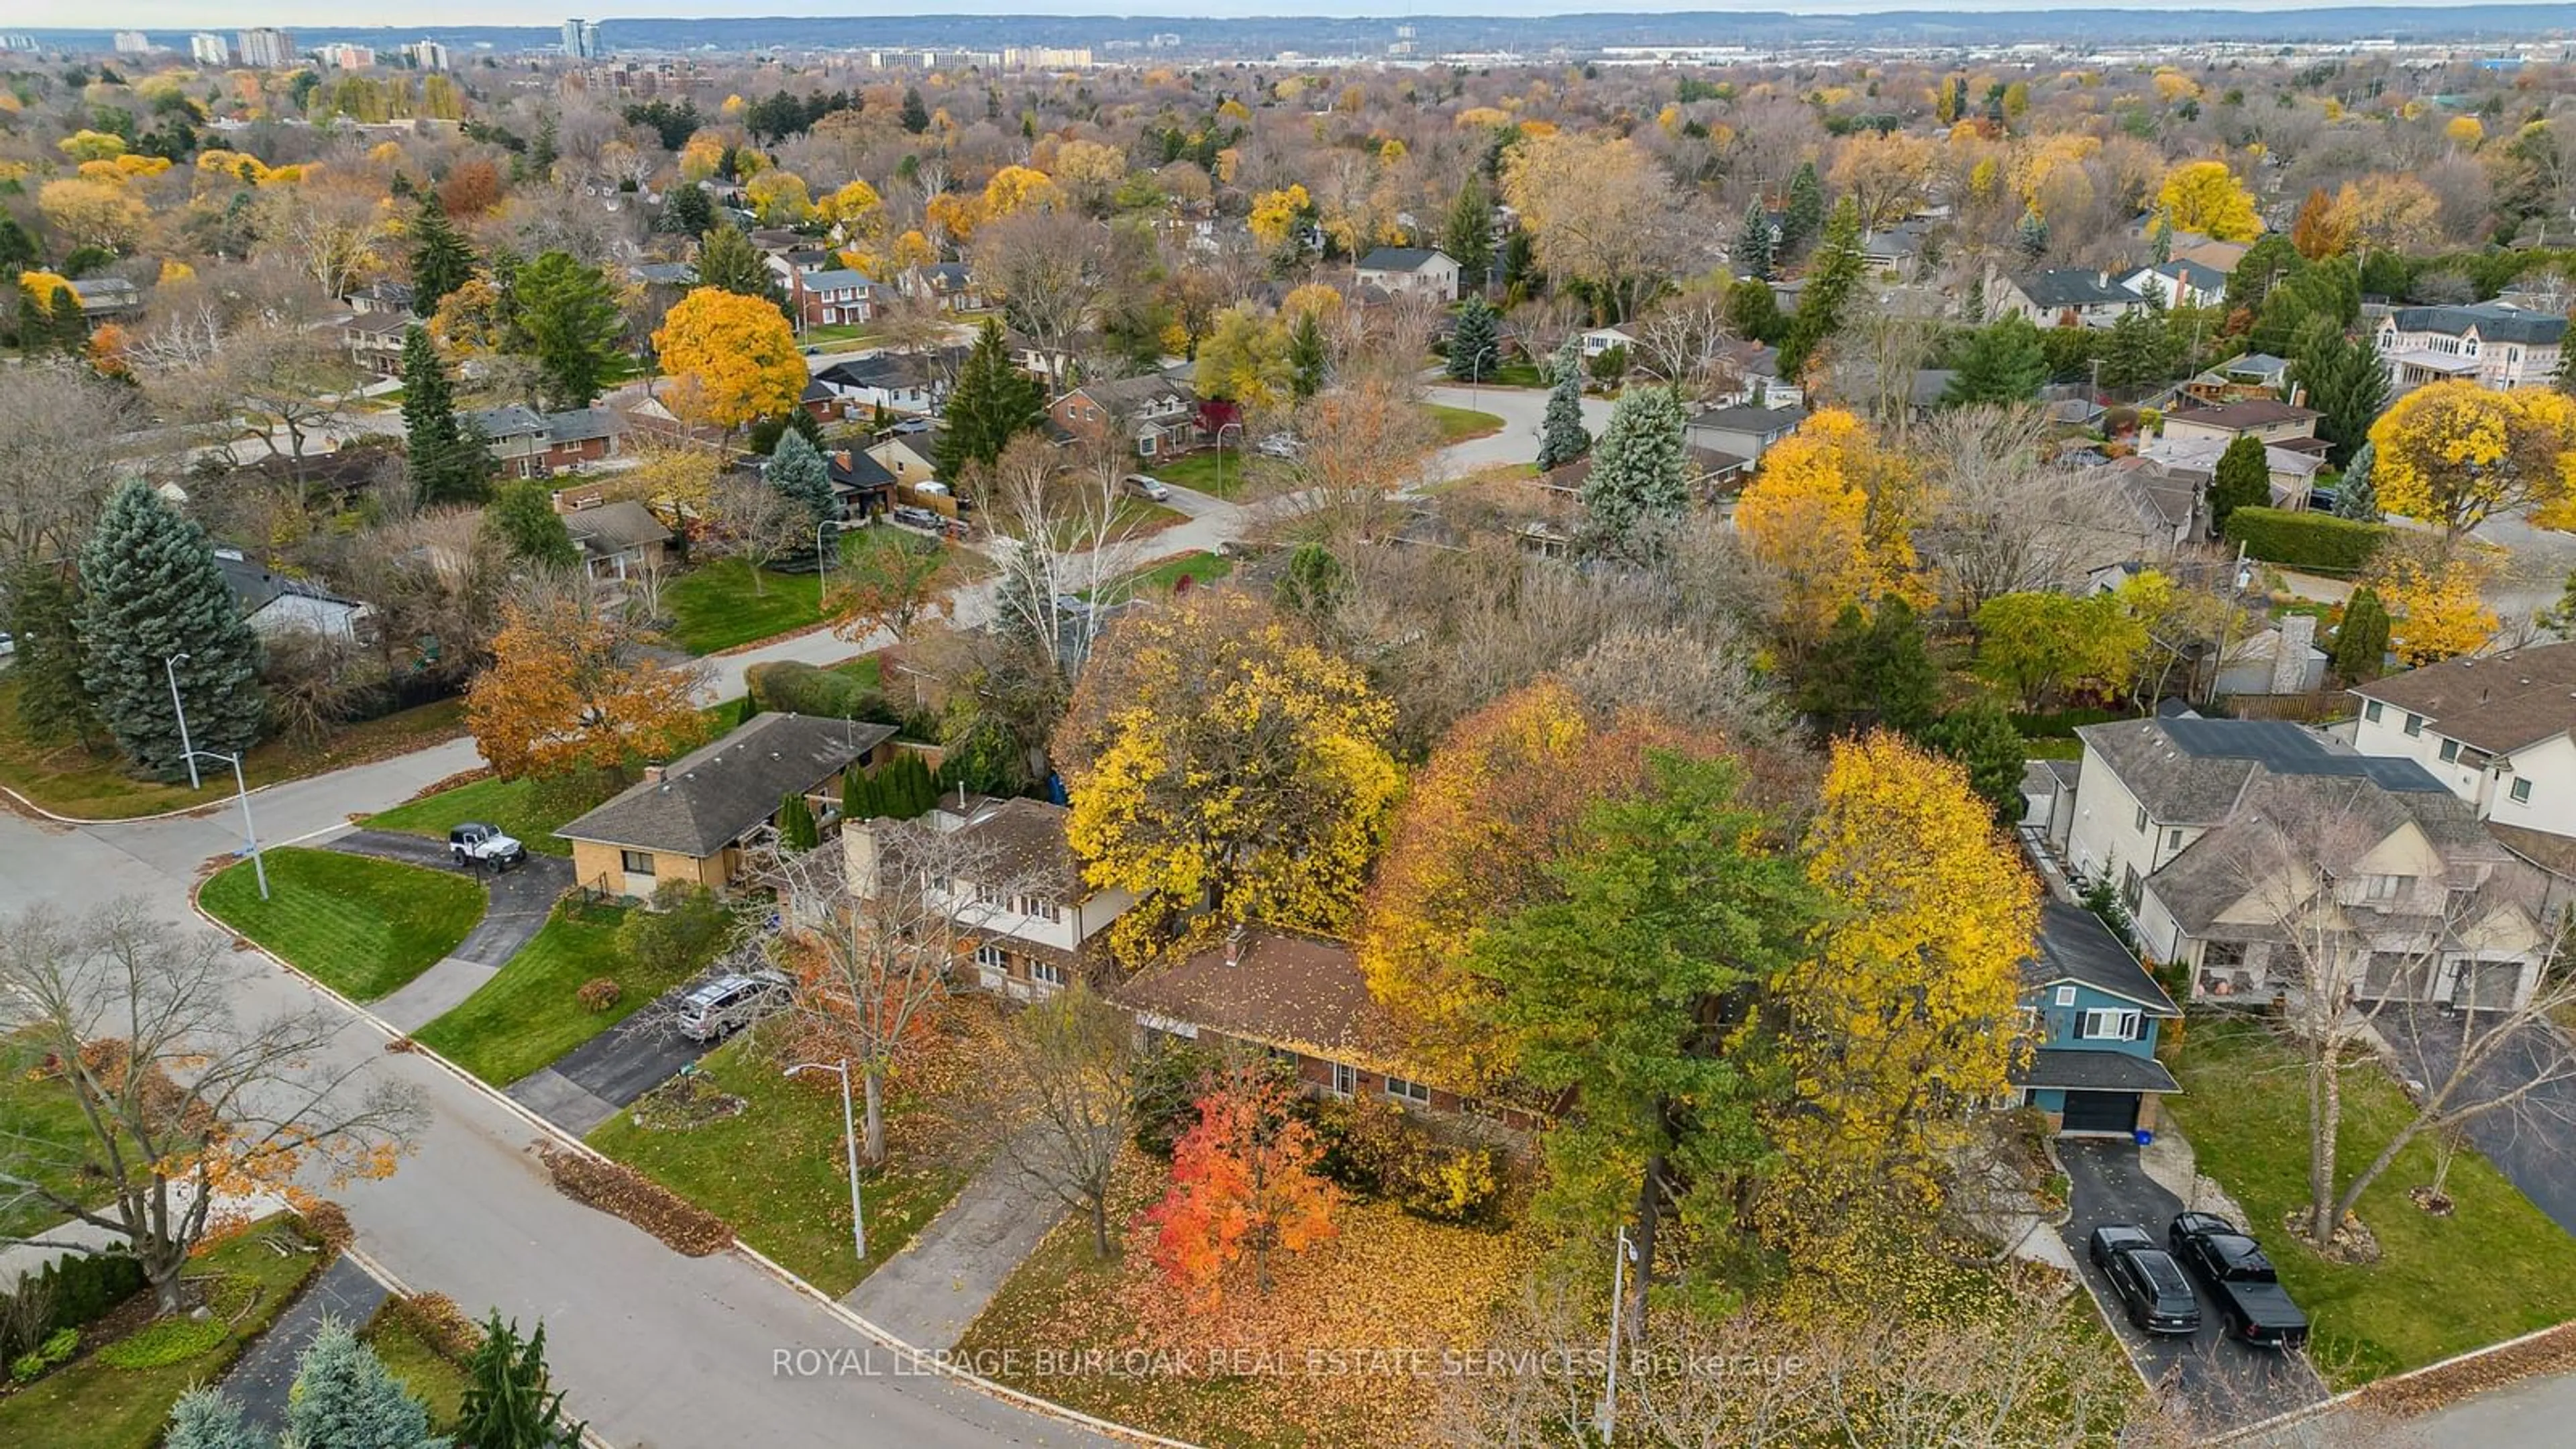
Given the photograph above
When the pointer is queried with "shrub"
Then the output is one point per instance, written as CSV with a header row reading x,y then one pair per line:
x,y
799,688
328,1225
70,1293
685,926
169,1341
2306,540
57,1348
1164,1102
1374,1147
598,994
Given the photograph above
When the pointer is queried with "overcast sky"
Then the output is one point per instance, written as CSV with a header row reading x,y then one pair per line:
x,y
182,16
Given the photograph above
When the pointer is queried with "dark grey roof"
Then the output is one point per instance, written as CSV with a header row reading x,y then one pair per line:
x,y
851,468
580,425
1761,422
1117,392
1400,259
2078,1070
715,795
2075,946
2493,321
666,274
2193,771
2199,275
255,588
388,322
2499,703
512,420
2202,884
2071,287
614,527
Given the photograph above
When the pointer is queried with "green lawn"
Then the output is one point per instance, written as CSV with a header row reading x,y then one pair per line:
x,y
47,1138
1217,472
365,927
826,336
69,780
515,805
91,1405
724,603
776,1171
2493,1269
431,1376
1457,425
526,1016
1199,566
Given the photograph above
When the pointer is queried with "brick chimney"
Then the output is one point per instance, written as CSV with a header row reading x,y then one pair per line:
x,y
2290,661
1234,946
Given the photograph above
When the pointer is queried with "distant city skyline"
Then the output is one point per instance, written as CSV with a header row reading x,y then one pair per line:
x,y
170,22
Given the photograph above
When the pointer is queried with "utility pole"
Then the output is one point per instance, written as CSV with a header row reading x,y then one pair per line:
x,y
850,1137
170,670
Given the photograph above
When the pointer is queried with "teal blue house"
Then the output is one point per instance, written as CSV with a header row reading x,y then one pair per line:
x,y
2095,1013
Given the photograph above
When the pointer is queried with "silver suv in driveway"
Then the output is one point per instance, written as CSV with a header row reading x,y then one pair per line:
x,y
729,1003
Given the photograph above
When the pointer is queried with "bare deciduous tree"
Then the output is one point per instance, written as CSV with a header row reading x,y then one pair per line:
x,y
52,422
2003,518
1686,341
1047,267
1072,538
1073,1058
756,523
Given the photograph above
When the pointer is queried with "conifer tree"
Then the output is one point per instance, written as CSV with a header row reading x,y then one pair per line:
x,y
2003,363
448,460
798,471
689,212
728,262
1804,216
441,261
1562,437
796,827
2356,497
916,116
1830,284
205,1418
154,606
2243,479
1308,356
1753,243
344,1398
44,618
506,1404
992,403
70,329
1980,736
1468,237
1474,351
2346,383
523,517
2361,642
1637,478
2032,235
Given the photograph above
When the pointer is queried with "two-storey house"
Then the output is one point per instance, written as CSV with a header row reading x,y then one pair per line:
x,y
1016,893
834,296
2179,283
2496,733
1742,432
2092,1014
2062,297
2493,344
1411,271
1158,414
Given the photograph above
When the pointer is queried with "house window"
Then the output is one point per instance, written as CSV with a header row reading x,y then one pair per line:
x,y
2414,725
989,895
1046,972
2383,887
1346,1079
992,957
1404,1091
2111,1025
2173,840
2521,790
636,862
2450,751
1041,907
2133,888
2221,955
2141,824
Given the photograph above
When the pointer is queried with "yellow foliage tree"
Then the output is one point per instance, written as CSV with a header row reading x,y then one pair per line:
x,y
566,690
2172,85
1089,171
93,213
2388,213
1834,513
1019,188
779,197
1275,213
1887,175
1213,753
91,146
43,285
2466,131
2206,197
1314,297
2434,608
954,214
701,157
854,207
676,481
732,359
2454,453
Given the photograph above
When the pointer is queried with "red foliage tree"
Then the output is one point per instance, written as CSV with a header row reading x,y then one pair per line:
x,y
1243,1181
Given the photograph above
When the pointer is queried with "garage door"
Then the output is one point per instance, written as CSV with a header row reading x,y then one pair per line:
x,y
2101,1111
2487,985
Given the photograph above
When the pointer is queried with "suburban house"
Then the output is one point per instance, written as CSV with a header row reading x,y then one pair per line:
x,y
2093,1013
1759,379
615,538
2493,731
273,604
2060,297
530,444
375,297
899,382
678,275
1898,249
862,487
2493,344
1742,432
1411,271
2429,907
2167,501
690,819
2292,471
2267,420
912,458
104,297
375,341
1601,339
950,284
1029,918
1157,412
2179,283
834,297
2240,379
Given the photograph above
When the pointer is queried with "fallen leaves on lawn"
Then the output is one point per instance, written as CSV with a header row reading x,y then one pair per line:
x,y
621,1191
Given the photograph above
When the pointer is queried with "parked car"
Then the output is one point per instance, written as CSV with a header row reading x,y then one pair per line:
x,y
729,1003
2150,1285
921,518
1152,489
1280,445
2111,1239
2253,1307
476,844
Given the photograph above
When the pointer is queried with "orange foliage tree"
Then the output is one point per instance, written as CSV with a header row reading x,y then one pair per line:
x,y
731,357
567,690
1243,1182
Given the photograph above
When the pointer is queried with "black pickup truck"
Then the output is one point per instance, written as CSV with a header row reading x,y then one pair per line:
x,y
2252,1306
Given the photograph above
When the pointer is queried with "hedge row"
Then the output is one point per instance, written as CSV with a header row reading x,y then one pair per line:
x,y
71,1292
788,687
2306,540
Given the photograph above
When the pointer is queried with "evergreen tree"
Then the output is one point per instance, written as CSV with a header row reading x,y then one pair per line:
x,y
18,249
448,460
688,213
572,325
2270,261
2032,236
2243,480
992,403
2356,497
1871,669
796,827
44,618
506,1404
1309,357
1972,302
204,1418
441,261
1753,243
2346,383
1753,311
523,517
1469,236
798,471
2003,363
1637,480
1562,437
2361,642
35,326
1980,736
2328,290
70,328
762,437
916,116
1474,352
861,797
150,592
1831,280
728,262
344,1398
2163,231
2133,352
1804,215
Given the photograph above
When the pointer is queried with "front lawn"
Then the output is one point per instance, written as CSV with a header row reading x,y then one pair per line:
x,y
517,806
363,927
1457,425
49,1140
90,1404
776,1173
2495,1268
69,780
527,1016
431,1376
1199,566
723,603
1217,472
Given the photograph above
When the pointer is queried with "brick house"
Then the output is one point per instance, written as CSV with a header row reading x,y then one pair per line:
x,y
530,444
1159,414
1029,923
375,341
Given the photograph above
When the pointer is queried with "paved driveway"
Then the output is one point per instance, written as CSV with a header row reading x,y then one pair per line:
x,y
521,898
2224,1383
587,1085
2528,1141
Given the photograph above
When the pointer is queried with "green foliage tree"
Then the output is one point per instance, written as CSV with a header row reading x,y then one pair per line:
x,y
916,116
1803,216
69,328
992,403
2243,480
441,259
1474,348
1831,280
1309,356
2356,497
2039,640
506,1404
345,1398
2361,642
2329,290
688,213
154,607
2031,235
1872,668
686,925
1754,311
862,798
1313,583
797,829
2268,262
448,461
2002,363
1562,437
1980,736
1637,482
206,1418
2346,382
1468,236
522,516
2136,352
572,324
44,617
728,262
798,471
1754,243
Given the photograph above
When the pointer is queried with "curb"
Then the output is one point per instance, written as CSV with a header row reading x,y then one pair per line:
x,y
2311,1411
920,1358
219,802
393,1283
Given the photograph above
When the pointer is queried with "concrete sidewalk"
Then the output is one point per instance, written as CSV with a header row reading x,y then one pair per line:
x,y
928,1293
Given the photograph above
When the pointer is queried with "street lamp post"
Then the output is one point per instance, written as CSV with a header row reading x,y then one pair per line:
x,y
1606,1418
850,1136
822,569
1220,452
170,671
241,787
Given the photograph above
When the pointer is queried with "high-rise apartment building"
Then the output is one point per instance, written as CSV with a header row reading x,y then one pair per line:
x,y
426,55
208,49
133,42
581,40
265,48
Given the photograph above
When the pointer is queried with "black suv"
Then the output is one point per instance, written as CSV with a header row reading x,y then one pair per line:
x,y
2151,1286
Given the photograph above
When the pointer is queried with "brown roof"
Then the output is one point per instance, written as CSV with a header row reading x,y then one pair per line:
x,y
1025,841
1301,992
2555,854
2259,412
2498,704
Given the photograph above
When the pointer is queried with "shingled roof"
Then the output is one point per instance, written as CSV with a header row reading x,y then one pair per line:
x,y
1283,989
713,796
2194,771
2499,704
2074,945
